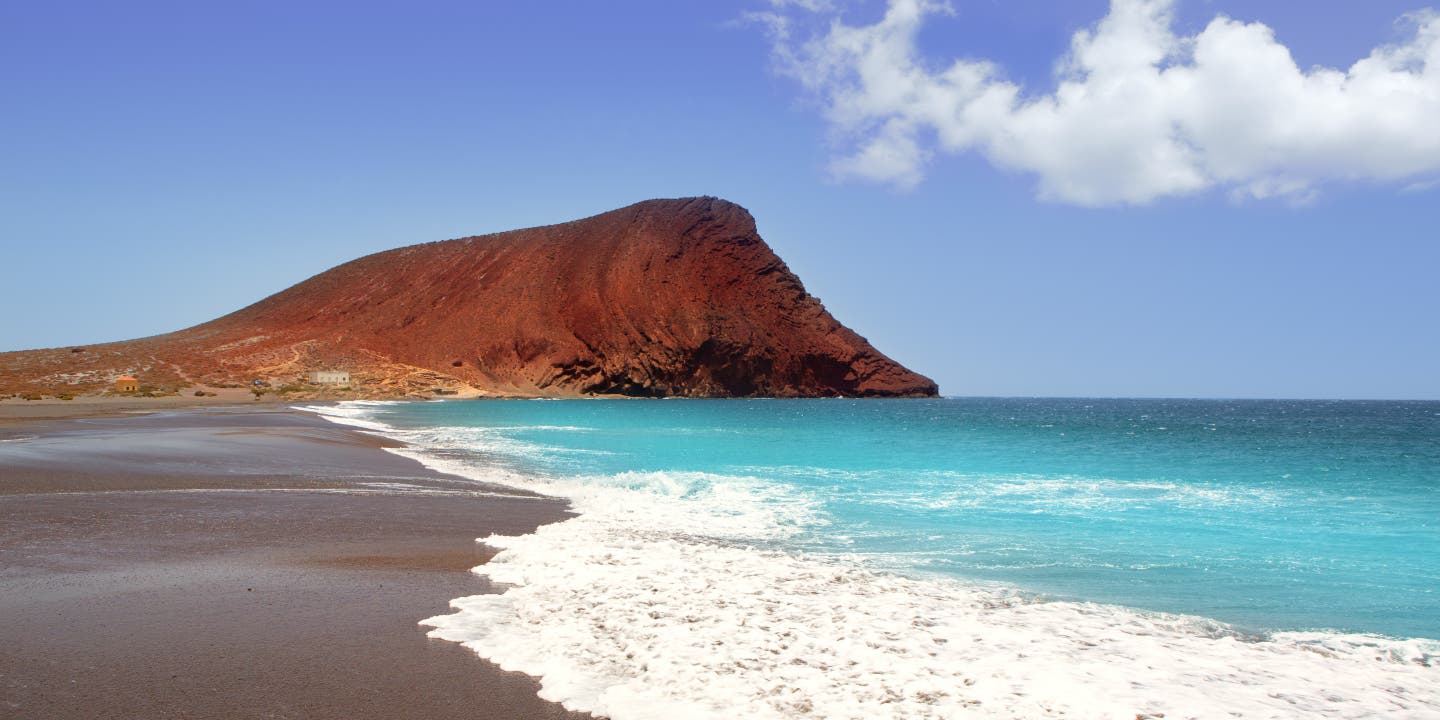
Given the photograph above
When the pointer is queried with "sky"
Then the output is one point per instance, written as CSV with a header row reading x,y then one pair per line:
x,y
1183,198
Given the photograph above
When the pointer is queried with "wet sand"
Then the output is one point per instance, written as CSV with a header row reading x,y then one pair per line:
x,y
14,410
245,563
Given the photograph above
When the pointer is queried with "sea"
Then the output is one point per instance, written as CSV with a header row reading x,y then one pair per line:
x,y
956,557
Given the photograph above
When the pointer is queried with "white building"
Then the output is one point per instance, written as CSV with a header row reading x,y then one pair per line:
x,y
330,377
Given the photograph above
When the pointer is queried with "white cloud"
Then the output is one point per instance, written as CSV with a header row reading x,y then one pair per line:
x,y
777,22
1137,112
1422,186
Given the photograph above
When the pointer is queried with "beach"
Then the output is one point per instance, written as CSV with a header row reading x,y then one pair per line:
x,y
239,562
713,560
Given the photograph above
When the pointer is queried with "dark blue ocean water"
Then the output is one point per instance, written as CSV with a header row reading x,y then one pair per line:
x,y
1270,515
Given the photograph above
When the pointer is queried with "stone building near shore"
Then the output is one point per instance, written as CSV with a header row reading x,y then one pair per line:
x,y
330,377
127,384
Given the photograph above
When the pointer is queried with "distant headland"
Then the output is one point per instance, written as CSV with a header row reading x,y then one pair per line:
x,y
664,298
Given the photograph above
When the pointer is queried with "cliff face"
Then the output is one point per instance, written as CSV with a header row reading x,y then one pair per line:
x,y
662,298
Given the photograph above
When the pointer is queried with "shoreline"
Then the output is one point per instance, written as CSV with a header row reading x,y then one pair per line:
x,y
240,561
667,604
270,559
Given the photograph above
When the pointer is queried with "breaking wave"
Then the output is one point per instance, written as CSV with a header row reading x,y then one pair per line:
x,y
680,594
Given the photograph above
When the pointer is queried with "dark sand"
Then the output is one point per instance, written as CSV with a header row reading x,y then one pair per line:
x,y
14,410
247,563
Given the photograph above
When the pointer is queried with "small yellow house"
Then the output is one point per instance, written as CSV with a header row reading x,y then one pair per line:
x,y
127,384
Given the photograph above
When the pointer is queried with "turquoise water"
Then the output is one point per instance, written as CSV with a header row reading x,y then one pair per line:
x,y
1269,515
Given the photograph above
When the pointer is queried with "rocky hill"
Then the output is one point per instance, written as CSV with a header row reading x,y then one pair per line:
x,y
662,298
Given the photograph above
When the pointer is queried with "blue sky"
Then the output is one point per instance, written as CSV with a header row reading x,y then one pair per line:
x,y
166,163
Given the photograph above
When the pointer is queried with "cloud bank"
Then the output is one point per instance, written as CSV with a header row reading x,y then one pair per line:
x,y
1138,112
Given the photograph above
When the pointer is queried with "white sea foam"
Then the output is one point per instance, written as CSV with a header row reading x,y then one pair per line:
x,y
559,428
492,440
667,597
354,413
630,626
943,489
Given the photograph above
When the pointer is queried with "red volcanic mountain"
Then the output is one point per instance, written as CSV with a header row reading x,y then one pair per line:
x,y
662,298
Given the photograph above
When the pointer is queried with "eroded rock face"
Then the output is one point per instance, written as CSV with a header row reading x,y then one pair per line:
x,y
662,298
